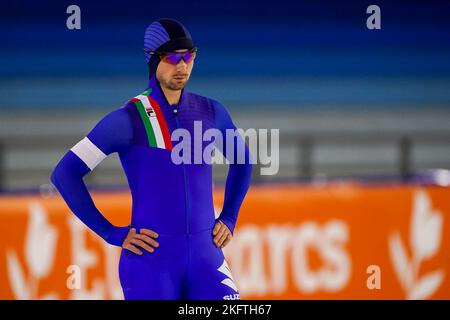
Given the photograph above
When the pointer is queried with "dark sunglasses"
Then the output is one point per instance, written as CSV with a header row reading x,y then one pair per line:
x,y
175,57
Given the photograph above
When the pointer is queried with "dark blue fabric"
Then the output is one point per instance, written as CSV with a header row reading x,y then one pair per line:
x,y
238,179
165,35
174,200
111,134
67,177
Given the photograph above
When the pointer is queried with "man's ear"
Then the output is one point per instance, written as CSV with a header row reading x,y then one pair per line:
x,y
152,66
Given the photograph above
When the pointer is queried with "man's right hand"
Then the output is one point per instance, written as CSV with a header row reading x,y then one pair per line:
x,y
143,240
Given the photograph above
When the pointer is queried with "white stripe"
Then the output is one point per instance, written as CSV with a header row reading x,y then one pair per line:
x,y
154,122
226,271
88,152
230,283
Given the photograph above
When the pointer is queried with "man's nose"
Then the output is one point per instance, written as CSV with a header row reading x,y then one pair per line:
x,y
181,64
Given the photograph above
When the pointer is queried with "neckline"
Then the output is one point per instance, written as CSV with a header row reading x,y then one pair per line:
x,y
158,94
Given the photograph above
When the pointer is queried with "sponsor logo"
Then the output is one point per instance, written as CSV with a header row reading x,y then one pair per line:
x,y
232,297
425,242
229,281
150,112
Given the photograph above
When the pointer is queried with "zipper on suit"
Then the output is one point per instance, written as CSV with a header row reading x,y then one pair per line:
x,y
186,198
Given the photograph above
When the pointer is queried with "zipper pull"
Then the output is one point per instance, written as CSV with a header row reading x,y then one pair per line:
x,y
175,109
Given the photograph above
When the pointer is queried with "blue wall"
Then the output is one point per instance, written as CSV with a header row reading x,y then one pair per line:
x,y
295,53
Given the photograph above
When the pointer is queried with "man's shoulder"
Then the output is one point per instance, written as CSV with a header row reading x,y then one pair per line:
x,y
118,115
129,105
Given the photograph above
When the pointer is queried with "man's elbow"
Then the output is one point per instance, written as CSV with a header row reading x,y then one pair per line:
x,y
61,171
54,176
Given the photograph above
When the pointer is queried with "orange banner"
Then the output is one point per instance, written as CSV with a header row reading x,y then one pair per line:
x,y
340,241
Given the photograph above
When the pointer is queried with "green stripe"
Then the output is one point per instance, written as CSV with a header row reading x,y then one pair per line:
x,y
147,92
147,124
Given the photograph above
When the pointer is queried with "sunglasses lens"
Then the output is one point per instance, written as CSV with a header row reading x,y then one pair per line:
x,y
175,57
171,57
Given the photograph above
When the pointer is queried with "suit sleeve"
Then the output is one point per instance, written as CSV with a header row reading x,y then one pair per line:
x,y
112,134
240,169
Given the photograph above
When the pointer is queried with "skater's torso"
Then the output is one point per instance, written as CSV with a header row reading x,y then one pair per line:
x,y
168,197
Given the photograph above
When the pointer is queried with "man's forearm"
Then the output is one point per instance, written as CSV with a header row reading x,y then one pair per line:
x,y
236,187
67,177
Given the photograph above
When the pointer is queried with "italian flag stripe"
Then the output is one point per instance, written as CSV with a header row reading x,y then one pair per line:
x,y
155,126
154,122
162,123
148,127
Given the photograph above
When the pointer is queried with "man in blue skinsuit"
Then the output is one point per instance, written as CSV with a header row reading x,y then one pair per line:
x,y
173,246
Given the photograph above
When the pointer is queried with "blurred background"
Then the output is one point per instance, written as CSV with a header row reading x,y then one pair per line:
x,y
348,101
351,104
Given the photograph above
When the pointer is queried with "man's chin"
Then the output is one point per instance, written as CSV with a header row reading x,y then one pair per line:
x,y
177,85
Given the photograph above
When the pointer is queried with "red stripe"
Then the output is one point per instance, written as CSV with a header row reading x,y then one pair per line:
x,y
162,123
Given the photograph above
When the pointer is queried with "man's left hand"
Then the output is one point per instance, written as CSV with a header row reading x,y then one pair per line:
x,y
222,235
